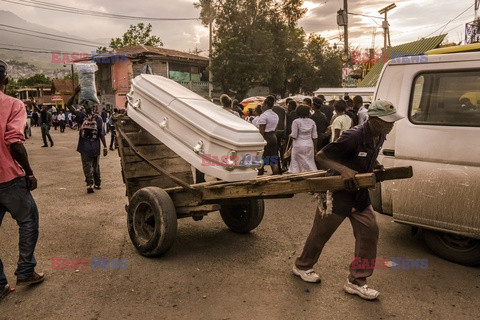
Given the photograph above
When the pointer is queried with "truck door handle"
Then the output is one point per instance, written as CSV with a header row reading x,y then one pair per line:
x,y
388,152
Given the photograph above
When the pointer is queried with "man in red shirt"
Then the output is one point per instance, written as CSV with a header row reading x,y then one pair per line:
x,y
16,182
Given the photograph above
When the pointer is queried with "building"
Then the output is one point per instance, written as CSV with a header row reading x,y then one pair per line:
x,y
41,93
63,90
116,70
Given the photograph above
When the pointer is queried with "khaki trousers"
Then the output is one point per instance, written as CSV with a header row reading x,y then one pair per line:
x,y
365,230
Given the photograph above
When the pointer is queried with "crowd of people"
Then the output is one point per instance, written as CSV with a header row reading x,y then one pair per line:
x,y
343,136
296,132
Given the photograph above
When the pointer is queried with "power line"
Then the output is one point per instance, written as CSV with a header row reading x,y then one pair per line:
x,y
443,26
50,34
35,48
365,15
24,50
48,38
61,8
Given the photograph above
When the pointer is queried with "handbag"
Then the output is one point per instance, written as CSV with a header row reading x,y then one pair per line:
x,y
288,151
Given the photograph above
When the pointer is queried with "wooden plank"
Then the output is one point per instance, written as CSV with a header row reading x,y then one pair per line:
x,y
135,158
198,209
127,124
272,188
152,151
394,173
142,138
142,169
287,187
156,181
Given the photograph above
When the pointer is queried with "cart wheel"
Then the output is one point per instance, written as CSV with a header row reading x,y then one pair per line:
x,y
242,216
152,221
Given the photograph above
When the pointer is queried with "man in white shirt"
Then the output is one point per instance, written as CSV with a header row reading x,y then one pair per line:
x,y
267,123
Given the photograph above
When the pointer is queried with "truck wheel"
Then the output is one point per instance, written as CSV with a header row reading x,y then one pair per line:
x,y
152,221
453,247
242,216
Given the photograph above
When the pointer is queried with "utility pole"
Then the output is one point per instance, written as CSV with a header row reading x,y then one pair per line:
x,y
386,32
345,27
73,81
210,75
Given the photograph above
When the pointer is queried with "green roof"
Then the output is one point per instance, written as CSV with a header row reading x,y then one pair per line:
x,y
407,49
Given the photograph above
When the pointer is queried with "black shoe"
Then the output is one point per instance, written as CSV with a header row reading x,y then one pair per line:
x,y
90,189
35,278
97,186
5,292
45,145
51,144
111,149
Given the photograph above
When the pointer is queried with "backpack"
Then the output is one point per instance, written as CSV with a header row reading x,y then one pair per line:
x,y
89,129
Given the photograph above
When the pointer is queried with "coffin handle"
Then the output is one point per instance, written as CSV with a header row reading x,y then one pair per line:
x,y
135,104
198,148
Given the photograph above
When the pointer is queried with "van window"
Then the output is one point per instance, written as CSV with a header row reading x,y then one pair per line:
x,y
446,98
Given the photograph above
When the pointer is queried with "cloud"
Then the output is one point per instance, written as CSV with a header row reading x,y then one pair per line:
x,y
410,21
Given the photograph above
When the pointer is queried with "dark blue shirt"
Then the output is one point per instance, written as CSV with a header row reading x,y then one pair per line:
x,y
86,147
354,149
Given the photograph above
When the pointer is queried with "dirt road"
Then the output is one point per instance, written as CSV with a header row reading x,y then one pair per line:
x,y
210,273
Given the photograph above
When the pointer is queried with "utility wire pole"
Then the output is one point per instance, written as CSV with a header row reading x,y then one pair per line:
x,y
386,32
345,27
210,74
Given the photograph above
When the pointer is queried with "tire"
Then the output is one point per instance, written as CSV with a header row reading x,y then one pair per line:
x,y
242,216
152,221
454,248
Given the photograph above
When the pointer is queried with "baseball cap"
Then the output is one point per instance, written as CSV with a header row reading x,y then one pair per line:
x,y
3,70
384,110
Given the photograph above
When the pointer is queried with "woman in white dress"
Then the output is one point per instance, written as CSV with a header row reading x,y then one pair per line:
x,y
304,135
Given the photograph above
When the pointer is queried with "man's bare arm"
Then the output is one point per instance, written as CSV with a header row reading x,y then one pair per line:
x,y
72,98
347,174
19,154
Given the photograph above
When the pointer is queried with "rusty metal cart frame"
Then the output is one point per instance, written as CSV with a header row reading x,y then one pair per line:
x,y
160,190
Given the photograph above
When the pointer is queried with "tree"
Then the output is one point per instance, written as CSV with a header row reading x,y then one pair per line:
x,y
325,64
136,35
38,78
254,42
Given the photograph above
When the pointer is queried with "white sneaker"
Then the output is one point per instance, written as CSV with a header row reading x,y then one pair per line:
x,y
363,292
306,275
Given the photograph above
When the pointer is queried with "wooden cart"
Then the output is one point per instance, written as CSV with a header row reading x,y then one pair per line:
x,y
160,190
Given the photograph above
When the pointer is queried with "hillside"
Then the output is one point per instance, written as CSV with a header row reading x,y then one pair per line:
x,y
20,48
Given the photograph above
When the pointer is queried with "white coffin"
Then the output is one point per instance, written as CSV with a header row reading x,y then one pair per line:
x,y
213,140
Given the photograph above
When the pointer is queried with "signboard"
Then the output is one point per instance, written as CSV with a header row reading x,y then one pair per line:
x,y
57,98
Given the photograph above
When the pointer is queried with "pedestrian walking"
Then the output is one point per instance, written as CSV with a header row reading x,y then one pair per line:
x,y
16,182
45,123
321,122
91,132
280,134
267,123
304,135
354,152
341,121
61,121
111,126
34,118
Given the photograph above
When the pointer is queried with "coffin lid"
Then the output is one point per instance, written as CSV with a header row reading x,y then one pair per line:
x,y
201,113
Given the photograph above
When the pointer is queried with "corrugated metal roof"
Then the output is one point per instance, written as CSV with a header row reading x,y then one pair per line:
x,y
406,49
143,49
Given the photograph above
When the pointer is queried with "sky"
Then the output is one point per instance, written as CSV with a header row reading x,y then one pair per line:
x,y
409,21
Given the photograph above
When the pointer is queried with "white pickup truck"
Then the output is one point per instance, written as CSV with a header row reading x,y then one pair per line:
x,y
439,95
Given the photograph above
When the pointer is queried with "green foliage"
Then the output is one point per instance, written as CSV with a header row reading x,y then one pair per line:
x,y
258,42
33,80
12,87
69,76
135,35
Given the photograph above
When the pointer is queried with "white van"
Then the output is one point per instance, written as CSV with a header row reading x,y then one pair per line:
x,y
439,95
